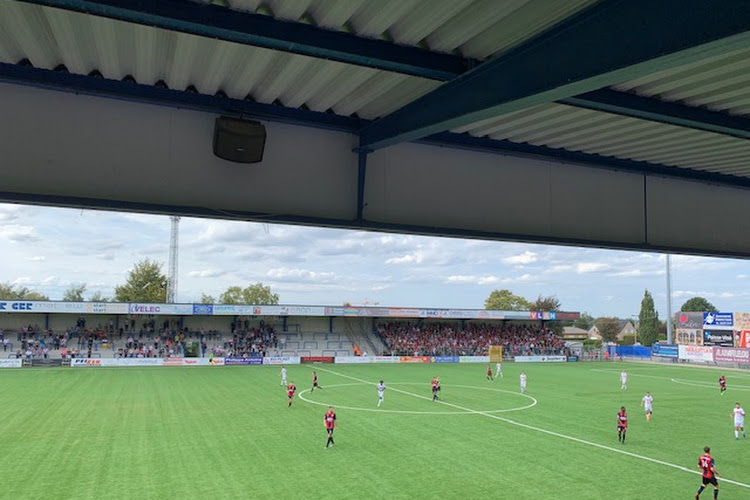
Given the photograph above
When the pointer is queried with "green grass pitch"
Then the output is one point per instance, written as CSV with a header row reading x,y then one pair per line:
x,y
226,432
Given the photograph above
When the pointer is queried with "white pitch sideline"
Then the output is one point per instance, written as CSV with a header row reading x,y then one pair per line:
x,y
539,429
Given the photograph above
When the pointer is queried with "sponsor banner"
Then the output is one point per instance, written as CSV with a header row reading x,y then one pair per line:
x,y
172,362
10,363
434,313
572,358
473,359
46,362
414,359
139,361
317,359
78,362
281,360
354,359
540,359
696,353
742,338
568,316
203,309
665,350
387,359
741,321
106,308
731,355
689,336
483,314
243,361
177,309
288,311
220,361
445,359
233,310
543,315
718,321
689,320
721,338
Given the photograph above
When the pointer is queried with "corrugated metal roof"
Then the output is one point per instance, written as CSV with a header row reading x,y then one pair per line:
x,y
83,44
719,83
574,129
474,28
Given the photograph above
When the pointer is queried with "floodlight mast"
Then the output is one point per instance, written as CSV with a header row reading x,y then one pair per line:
x,y
173,256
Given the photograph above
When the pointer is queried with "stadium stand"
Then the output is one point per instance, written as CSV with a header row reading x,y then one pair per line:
x,y
472,339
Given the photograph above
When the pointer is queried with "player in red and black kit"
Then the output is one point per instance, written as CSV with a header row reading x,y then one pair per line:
x,y
706,464
489,373
315,382
435,388
622,424
290,390
329,421
722,384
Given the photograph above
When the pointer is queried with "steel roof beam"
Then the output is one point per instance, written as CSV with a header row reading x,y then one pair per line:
x,y
216,22
655,110
611,42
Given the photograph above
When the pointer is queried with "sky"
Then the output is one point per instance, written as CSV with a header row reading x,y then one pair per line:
x,y
50,249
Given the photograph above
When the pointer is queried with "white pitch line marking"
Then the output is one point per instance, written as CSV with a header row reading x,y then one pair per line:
x,y
414,412
545,431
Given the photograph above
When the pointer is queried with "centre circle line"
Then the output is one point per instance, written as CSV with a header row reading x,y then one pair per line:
x,y
421,412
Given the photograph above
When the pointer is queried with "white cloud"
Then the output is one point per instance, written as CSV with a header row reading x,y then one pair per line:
x,y
411,258
36,258
524,258
474,280
18,233
590,267
304,274
207,273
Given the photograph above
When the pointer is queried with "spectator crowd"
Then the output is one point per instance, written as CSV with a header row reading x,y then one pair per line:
x,y
470,339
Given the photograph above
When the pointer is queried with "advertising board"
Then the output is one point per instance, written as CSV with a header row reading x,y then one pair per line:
x,y
689,336
665,350
445,359
281,360
317,359
718,321
473,359
414,359
731,355
723,338
243,361
540,359
10,363
696,353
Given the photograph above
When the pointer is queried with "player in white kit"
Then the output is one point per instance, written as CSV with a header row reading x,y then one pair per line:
x,y
646,403
523,381
739,421
381,391
283,375
498,370
623,380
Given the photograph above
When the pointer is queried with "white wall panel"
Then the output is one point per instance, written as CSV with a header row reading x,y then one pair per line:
x,y
64,144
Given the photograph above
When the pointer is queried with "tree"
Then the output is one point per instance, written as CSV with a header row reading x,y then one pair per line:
x,y
551,303
74,293
608,328
698,304
505,300
207,299
585,321
257,294
648,321
146,283
98,296
10,292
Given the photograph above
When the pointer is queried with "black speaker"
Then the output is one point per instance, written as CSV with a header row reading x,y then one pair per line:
x,y
240,141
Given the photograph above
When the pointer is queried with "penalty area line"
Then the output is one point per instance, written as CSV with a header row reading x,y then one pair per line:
x,y
541,430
